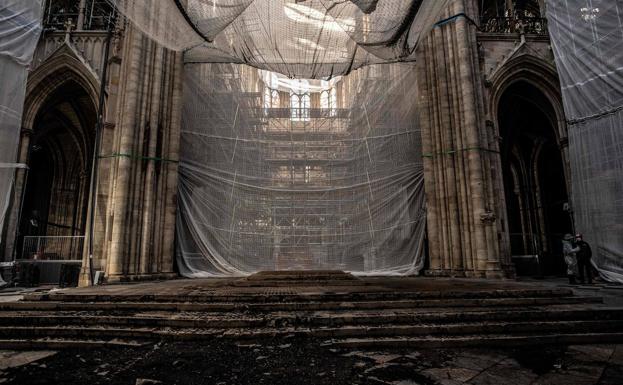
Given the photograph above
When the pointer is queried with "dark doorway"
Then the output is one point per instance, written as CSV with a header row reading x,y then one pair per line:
x,y
534,179
61,147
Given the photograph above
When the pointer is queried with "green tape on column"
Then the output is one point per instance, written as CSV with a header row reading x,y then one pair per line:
x,y
451,152
138,157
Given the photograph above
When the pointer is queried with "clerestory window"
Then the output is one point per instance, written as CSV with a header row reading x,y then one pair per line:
x,y
299,107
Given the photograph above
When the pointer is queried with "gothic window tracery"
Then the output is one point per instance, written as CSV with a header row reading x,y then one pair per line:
x,y
512,16
299,107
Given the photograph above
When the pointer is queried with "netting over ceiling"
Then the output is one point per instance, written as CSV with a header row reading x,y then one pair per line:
x,y
299,38
587,39
20,26
280,174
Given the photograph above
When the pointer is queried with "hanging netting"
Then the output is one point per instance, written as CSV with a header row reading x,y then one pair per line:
x,y
293,156
20,26
587,38
281,174
299,38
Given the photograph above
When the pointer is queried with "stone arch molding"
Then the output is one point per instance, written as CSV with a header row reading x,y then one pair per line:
x,y
538,73
64,65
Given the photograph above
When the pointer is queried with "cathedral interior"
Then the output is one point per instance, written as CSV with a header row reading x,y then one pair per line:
x,y
311,191
222,151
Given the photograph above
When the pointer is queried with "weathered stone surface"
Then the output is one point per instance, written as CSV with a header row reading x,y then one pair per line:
x,y
12,359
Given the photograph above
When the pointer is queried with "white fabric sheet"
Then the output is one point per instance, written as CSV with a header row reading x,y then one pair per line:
x,y
587,37
20,27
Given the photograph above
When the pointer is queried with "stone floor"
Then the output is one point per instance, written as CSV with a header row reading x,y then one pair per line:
x,y
253,284
304,362
329,282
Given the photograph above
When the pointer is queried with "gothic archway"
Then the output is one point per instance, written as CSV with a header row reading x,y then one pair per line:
x,y
60,151
534,175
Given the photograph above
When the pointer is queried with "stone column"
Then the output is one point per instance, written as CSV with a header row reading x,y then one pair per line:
x,y
81,15
143,162
460,153
13,214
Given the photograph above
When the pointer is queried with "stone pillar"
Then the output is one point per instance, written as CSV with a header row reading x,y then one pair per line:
x,y
461,153
138,165
13,214
81,15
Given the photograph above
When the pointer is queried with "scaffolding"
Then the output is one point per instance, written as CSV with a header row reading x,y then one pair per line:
x,y
269,187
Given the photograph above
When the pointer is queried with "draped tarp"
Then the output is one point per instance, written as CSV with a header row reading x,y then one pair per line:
x,y
285,164
303,39
281,174
20,27
587,38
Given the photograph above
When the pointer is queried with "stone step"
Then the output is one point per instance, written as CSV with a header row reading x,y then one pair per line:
x,y
307,294
303,306
313,319
480,341
299,278
362,335
402,331
62,343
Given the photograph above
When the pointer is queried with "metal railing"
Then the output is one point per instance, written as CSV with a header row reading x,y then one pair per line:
x,y
59,248
524,25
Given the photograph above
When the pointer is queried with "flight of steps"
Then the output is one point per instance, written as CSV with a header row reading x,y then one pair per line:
x,y
348,318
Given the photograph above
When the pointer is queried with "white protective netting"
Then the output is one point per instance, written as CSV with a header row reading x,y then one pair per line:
x,y
20,26
279,174
285,164
587,37
299,38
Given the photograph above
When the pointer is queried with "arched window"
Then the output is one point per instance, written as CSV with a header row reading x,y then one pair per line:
x,y
527,8
324,100
275,102
295,107
493,8
299,107
305,106
506,8
267,99
271,99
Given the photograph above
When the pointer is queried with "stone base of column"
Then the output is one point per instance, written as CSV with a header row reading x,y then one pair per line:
x,y
141,277
493,271
445,273
85,279
509,270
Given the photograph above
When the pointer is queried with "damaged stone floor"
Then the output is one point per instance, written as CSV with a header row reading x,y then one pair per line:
x,y
317,329
302,361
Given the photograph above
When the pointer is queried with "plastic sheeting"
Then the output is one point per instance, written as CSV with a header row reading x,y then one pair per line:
x,y
294,174
20,27
285,164
587,38
302,39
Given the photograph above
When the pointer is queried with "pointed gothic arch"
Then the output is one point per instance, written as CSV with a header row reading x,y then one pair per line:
x,y
59,126
530,123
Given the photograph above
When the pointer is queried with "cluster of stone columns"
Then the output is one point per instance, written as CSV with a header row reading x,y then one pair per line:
x,y
136,194
462,171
